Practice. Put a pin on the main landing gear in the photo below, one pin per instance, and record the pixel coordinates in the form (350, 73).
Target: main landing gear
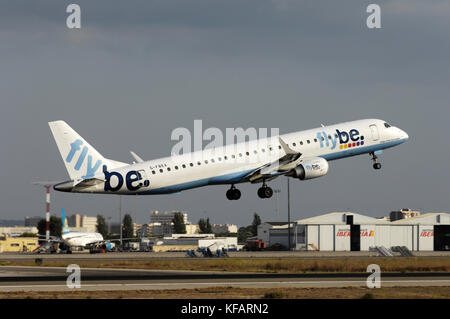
(233, 193)
(376, 165)
(265, 191)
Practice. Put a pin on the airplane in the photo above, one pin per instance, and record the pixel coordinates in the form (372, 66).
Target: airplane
(73, 239)
(78, 239)
(302, 155)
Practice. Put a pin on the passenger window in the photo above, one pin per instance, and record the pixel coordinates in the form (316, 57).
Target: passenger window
(153, 172)
(212, 160)
(168, 169)
(206, 161)
(307, 141)
(184, 166)
(293, 144)
(198, 163)
(176, 167)
(301, 142)
(191, 164)
(161, 170)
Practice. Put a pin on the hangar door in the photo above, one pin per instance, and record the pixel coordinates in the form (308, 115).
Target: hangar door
(441, 237)
(355, 237)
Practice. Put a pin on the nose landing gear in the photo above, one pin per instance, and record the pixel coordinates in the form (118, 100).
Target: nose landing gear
(376, 165)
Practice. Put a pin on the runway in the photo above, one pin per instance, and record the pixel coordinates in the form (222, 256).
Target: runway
(19, 278)
(83, 256)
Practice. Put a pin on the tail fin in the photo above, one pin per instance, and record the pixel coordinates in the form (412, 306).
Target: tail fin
(81, 159)
(65, 224)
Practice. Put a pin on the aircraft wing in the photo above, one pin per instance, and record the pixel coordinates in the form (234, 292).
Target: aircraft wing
(272, 170)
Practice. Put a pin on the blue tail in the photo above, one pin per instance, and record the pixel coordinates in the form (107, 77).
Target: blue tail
(65, 224)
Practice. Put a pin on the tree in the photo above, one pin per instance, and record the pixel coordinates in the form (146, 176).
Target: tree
(256, 222)
(178, 224)
(101, 225)
(205, 226)
(55, 226)
(127, 226)
(244, 233)
(202, 226)
(26, 234)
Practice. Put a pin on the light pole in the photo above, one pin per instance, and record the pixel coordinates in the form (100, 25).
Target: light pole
(47, 186)
(277, 191)
(289, 213)
(120, 217)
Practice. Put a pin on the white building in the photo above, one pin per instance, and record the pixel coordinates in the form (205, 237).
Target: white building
(224, 228)
(166, 217)
(17, 230)
(85, 223)
(345, 231)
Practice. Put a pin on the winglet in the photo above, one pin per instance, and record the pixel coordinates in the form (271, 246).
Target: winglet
(136, 157)
(286, 148)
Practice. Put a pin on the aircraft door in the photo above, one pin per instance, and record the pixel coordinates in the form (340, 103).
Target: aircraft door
(375, 133)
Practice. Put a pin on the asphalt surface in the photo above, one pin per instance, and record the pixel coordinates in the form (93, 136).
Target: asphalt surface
(240, 254)
(18, 278)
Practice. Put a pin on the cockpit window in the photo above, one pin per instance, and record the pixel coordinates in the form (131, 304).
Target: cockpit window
(387, 125)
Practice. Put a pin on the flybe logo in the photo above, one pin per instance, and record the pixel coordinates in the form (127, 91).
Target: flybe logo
(90, 169)
(114, 180)
(346, 139)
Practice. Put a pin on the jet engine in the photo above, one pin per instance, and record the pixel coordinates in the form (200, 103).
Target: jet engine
(311, 168)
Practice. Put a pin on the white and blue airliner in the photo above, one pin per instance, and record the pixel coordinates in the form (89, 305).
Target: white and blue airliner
(303, 155)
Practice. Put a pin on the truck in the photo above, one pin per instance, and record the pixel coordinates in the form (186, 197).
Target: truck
(255, 244)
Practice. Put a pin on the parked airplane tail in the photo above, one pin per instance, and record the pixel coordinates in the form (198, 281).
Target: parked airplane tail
(81, 159)
(65, 224)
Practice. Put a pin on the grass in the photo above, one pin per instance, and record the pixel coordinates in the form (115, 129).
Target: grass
(266, 265)
(244, 293)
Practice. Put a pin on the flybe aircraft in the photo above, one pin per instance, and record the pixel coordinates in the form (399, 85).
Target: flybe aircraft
(302, 155)
(78, 239)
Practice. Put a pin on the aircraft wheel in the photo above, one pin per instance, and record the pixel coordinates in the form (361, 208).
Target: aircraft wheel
(377, 166)
(261, 192)
(268, 192)
(236, 194)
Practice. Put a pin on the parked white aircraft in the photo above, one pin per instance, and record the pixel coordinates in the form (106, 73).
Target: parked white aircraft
(73, 239)
(303, 155)
(78, 239)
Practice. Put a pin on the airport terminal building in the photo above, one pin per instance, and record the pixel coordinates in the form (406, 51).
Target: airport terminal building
(344, 231)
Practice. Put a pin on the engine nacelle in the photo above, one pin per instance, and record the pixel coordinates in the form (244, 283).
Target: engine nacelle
(311, 168)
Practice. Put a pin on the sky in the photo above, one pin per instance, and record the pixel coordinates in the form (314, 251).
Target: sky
(137, 70)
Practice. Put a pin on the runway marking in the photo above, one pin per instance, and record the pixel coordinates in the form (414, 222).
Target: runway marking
(235, 283)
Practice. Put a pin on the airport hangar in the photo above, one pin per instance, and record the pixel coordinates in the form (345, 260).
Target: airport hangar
(344, 231)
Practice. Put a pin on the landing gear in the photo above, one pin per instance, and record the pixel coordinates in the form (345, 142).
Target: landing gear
(233, 193)
(265, 191)
(376, 165)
